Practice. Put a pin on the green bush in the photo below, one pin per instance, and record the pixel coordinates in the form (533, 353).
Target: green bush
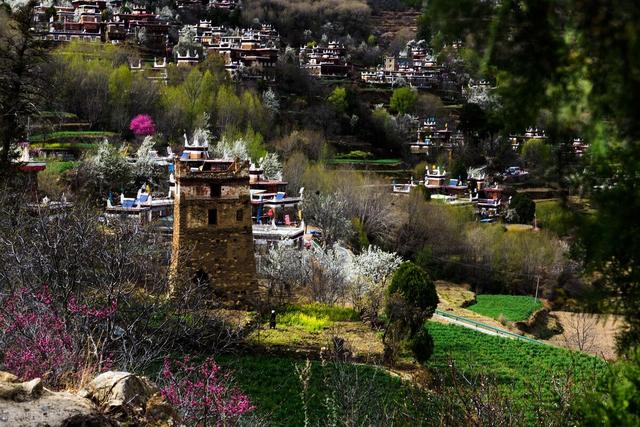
(616, 400)
(421, 346)
(415, 286)
(524, 207)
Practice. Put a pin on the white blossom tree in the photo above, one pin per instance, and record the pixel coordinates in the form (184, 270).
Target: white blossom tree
(145, 159)
(286, 269)
(330, 213)
(329, 274)
(108, 168)
(230, 149)
(369, 273)
(201, 137)
(271, 166)
(270, 100)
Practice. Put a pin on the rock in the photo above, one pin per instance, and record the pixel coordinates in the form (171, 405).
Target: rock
(21, 392)
(111, 399)
(119, 392)
(128, 397)
(159, 412)
(7, 377)
(51, 409)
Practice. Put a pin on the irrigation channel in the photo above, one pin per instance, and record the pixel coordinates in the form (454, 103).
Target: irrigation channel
(482, 327)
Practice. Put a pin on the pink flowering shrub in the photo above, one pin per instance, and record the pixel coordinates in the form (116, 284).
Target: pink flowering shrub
(142, 125)
(202, 394)
(39, 340)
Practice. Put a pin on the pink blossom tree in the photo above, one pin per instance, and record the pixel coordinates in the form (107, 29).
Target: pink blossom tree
(142, 125)
(37, 339)
(202, 393)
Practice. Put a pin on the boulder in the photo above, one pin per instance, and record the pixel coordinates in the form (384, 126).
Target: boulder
(114, 389)
(7, 377)
(28, 403)
(125, 396)
(21, 392)
(111, 399)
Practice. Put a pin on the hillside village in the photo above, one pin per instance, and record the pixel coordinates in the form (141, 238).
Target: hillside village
(363, 212)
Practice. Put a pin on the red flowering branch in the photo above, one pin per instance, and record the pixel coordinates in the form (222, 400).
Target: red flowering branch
(202, 394)
(36, 340)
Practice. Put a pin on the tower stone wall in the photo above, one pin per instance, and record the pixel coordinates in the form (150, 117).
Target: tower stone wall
(212, 231)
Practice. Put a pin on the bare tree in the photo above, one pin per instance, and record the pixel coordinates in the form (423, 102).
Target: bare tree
(328, 212)
(21, 77)
(88, 264)
(579, 331)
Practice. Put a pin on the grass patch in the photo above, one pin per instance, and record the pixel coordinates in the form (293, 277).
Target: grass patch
(315, 317)
(333, 312)
(514, 364)
(376, 162)
(65, 145)
(43, 137)
(554, 217)
(306, 322)
(513, 308)
(57, 167)
(274, 387)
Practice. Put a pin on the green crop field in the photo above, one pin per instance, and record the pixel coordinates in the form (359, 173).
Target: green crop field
(515, 365)
(82, 134)
(513, 308)
(376, 162)
(274, 387)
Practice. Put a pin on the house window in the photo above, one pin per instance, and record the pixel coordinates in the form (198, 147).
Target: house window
(213, 216)
(239, 214)
(216, 190)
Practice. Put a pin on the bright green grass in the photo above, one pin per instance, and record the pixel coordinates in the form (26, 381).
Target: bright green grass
(65, 145)
(334, 313)
(515, 365)
(274, 387)
(379, 162)
(70, 134)
(315, 317)
(306, 322)
(553, 216)
(513, 308)
(57, 167)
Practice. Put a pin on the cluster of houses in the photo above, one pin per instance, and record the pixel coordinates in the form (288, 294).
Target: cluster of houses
(415, 66)
(433, 138)
(275, 216)
(247, 52)
(101, 21)
(487, 199)
(208, 4)
(325, 60)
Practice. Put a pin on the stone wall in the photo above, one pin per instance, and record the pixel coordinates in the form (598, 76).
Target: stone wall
(220, 253)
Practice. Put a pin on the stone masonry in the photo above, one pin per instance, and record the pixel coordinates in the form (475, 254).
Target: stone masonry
(212, 234)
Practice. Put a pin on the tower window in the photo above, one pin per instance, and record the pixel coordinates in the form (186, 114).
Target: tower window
(239, 214)
(216, 190)
(213, 216)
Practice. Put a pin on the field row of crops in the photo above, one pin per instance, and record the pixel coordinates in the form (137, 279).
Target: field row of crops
(516, 365)
(511, 308)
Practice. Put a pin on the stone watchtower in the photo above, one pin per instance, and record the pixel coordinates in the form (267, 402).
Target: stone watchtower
(212, 228)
